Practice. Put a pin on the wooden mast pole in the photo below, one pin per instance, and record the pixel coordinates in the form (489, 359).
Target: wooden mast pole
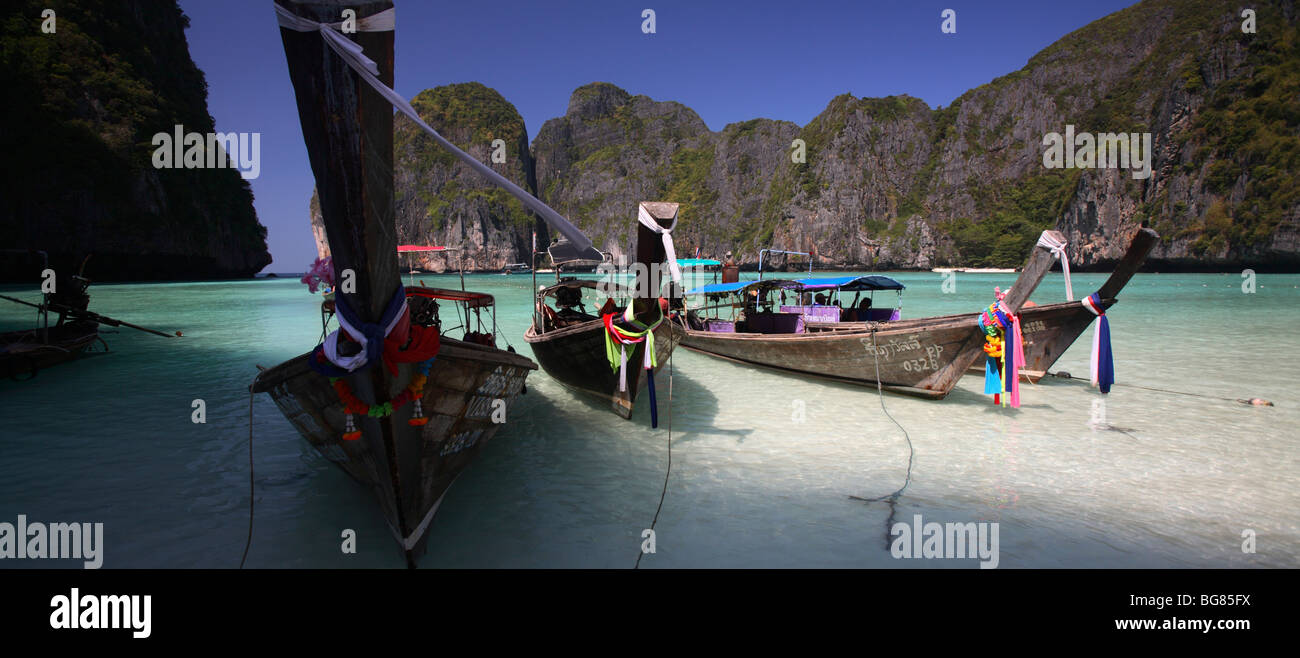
(348, 130)
(650, 253)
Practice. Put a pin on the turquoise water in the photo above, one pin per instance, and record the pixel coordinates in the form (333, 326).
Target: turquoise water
(1139, 478)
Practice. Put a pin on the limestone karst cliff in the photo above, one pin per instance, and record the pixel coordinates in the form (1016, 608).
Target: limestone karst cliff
(893, 183)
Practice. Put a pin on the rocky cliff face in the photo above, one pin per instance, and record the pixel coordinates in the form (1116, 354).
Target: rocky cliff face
(81, 107)
(892, 183)
(441, 201)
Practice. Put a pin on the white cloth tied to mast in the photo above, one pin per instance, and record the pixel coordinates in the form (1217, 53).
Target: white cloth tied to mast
(670, 254)
(367, 70)
(351, 363)
(1057, 247)
(384, 21)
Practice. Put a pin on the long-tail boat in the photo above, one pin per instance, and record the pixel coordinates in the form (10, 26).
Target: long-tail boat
(393, 398)
(602, 351)
(26, 352)
(1049, 329)
(566, 258)
(924, 357)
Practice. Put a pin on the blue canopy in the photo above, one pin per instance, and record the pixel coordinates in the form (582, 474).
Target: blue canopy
(852, 283)
(738, 286)
(697, 262)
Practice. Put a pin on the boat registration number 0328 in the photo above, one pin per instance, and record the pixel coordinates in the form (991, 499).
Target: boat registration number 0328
(928, 362)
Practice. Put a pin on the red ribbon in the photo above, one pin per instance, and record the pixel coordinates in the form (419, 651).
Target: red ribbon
(616, 333)
(424, 345)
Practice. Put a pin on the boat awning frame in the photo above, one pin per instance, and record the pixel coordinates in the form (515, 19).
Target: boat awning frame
(739, 287)
(853, 283)
(470, 299)
(619, 289)
(698, 262)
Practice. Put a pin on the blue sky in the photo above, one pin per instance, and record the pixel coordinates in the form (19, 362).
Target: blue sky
(729, 61)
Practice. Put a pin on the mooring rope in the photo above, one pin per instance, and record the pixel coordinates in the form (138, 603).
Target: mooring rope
(669, 470)
(1061, 374)
(249, 541)
(911, 451)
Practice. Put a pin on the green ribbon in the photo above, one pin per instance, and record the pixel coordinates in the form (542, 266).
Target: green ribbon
(612, 349)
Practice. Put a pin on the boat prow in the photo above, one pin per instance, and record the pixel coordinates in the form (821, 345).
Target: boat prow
(579, 349)
(469, 390)
(1050, 329)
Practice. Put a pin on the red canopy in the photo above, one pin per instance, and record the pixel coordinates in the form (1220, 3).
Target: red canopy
(471, 299)
(402, 248)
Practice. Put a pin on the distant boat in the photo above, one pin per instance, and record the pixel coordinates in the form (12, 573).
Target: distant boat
(757, 322)
(517, 268)
(567, 258)
(26, 352)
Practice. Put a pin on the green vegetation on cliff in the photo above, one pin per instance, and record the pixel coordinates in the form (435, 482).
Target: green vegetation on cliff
(81, 108)
(472, 116)
(687, 184)
(1013, 218)
(1254, 126)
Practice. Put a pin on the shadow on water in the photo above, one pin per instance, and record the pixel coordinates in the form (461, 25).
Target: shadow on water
(691, 404)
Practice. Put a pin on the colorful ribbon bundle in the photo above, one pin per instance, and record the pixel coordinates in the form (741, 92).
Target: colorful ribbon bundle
(1006, 353)
(616, 335)
(1103, 361)
(413, 392)
(392, 340)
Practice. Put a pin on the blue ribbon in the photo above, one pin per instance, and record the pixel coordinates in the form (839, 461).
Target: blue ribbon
(373, 333)
(1009, 355)
(992, 382)
(1105, 358)
(650, 384)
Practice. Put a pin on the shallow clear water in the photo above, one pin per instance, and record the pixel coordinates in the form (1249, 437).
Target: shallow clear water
(567, 484)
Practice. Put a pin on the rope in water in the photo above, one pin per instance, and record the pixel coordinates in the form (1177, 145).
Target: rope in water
(911, 451)
(1061, 374)
(249, 541)
(669, 470)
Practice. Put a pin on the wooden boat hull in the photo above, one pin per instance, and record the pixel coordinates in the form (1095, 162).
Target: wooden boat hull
(23, 353)
(575, 357)
(923, 358)
(411, 470)
(1048, 331)
(912, 352)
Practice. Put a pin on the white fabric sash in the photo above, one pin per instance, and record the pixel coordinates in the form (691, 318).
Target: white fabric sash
(1057, 248)
(352, 54)
(351, 363)
(670, 254)
(1094, 361)
(384, 21)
